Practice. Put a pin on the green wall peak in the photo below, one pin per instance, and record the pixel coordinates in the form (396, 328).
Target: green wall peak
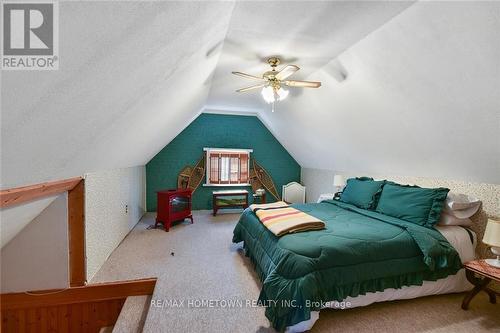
(218, 131)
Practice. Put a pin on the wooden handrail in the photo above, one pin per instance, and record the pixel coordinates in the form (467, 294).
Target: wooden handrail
(82, 294)
(19, 195)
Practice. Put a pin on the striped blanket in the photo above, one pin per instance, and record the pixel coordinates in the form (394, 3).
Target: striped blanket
(282, 219)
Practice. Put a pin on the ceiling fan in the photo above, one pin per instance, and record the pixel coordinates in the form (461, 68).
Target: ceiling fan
(272, 81)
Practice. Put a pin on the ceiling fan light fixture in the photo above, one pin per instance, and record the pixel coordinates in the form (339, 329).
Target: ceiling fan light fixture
(272, 81)
(282, 94)
(268, 94)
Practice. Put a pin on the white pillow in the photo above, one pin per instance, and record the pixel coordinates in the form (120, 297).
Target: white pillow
(447, 219)
(461, 206)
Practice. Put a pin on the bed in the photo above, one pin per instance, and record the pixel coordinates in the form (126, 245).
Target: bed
(360, 257)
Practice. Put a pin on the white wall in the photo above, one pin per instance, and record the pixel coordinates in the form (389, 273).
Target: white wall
(319, 181)
(37, 257)
(15, 218)
(107, 222)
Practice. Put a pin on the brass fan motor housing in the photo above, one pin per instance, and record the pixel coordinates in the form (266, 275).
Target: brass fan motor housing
(271, 75)
(274, 62)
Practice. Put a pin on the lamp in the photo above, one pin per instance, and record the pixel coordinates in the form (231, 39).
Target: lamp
(492, 238)
(338, 182)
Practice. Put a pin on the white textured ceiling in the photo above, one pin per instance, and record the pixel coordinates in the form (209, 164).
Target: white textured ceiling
(309, 34)
(421, 96)
(131, 76)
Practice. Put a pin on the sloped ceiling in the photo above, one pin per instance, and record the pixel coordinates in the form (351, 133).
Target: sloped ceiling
(132, 75)
(420, 98)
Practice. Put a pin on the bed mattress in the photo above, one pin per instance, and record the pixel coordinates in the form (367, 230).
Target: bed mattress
(463, 240)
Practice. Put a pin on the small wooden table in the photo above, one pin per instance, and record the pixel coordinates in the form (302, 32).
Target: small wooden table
(229, 199)
(480, 274)
(259, 198)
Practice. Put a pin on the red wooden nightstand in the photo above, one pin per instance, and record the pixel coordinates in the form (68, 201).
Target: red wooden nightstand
(486, 274)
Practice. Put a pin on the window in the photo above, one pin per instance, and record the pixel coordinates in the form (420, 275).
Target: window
(227, 166)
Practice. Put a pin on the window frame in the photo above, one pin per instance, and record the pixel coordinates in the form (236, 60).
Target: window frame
(228, 151)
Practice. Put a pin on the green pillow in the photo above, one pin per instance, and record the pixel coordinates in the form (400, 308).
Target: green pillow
(362, 192)
(414, 204)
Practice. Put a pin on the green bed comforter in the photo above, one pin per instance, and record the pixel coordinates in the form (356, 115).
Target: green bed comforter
(360, 251)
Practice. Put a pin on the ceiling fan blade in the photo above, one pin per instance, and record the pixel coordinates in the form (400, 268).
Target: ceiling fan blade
(286, 72)
(257, 86)
(248, 76)
(303, 84)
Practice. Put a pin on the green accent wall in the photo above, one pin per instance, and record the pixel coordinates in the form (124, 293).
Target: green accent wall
(218, 131)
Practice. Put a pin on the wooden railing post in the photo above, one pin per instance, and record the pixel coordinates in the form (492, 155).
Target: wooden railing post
(76, 234)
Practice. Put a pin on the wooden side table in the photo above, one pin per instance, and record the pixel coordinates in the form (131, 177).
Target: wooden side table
(259, 198)
(480, 274)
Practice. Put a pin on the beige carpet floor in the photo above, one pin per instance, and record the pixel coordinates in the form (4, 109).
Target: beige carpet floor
(206, 266)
